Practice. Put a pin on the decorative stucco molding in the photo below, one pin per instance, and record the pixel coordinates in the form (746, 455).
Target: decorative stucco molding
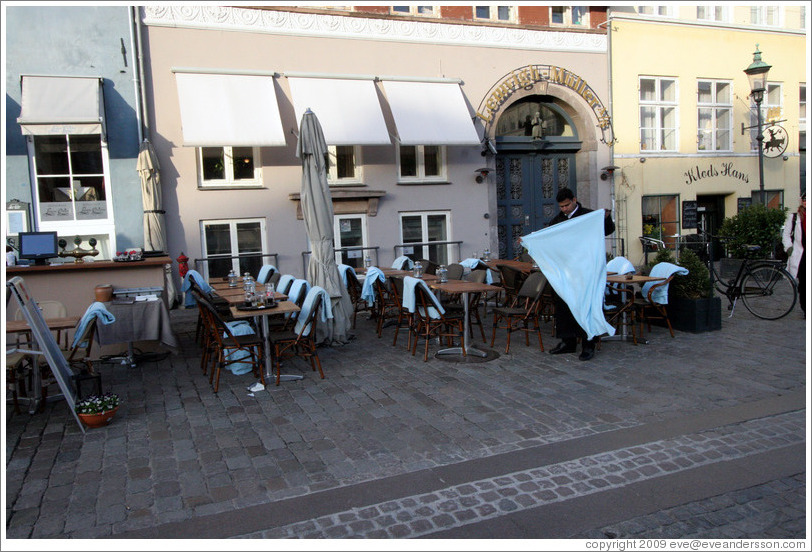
(337, 26)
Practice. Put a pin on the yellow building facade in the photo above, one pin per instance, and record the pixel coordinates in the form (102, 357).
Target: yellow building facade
(681, 106)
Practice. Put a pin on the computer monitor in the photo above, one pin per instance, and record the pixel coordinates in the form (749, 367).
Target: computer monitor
(38, 246)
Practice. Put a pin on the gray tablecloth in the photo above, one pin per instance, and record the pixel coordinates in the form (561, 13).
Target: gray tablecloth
(139, 321)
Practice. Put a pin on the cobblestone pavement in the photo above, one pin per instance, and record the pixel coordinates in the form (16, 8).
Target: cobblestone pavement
(388, 445)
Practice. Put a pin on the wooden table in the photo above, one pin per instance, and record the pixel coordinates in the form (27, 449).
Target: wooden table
(238, 297)
(402, 273)
(522, 266)
(281, 308)
(623, 279)
(55, 324)
(463, 287)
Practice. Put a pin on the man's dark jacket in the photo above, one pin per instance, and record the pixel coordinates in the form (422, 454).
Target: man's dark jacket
(608, 223)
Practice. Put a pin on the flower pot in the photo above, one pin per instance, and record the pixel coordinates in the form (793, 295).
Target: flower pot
(695, 315)
(98, 420)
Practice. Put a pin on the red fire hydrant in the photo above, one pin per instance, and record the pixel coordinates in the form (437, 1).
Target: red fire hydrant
(183, 265)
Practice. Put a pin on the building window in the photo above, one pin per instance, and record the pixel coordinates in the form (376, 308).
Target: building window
(424, 228)
(345, 165)
(661, 218)
(770, 111)
(802, 15)
(662, 11)
(773, 198)
(658, 114)
(236, 245)
(229, 166)
(802, 106)
(712, 13)
(494, 13)
(566, 15)
(421, 163)
(414, 10)
(715, 116)
(351, 231)
(768, 16)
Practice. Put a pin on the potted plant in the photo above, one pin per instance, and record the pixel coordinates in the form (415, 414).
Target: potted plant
(98, 410)
(755, 225)
(692, 307)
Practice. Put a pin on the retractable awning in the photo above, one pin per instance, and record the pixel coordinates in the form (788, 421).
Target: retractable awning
(348, 109)
(229, 110)
(61, 105)
(430, 113)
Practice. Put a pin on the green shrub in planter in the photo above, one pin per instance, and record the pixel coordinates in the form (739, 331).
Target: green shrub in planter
(695, 284)
(755, 225)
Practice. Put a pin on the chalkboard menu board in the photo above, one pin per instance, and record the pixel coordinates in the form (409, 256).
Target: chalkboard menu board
(689, 214)
(743, 203)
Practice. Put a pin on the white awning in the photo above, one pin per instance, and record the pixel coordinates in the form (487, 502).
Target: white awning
(430, 113)
(348, 109)
(229, 110)
(61, 105)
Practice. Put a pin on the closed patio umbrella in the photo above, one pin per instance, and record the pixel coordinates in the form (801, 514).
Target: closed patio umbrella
(154, 229)
(317, 208)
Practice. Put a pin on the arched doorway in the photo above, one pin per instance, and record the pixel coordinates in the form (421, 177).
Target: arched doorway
(537, 142)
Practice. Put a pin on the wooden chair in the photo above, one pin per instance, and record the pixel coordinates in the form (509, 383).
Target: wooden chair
(404, 316)
(524, 313)
(429, 267)
(225, 346)
(647, 306)
(386, 305)
(354, 290)
(428, 322)
(301, 343)
(455, 271)
(512, 280)
(619, 308)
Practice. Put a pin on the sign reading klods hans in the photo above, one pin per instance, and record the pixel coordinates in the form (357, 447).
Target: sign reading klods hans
(528, 77)
(725, 169)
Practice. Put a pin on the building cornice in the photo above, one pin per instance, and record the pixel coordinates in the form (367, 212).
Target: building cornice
(716, 25)
(361, 28)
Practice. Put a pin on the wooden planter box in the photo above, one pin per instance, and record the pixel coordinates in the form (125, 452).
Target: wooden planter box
(691, 315)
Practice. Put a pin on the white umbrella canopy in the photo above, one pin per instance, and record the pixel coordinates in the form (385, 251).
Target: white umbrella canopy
(154, 228)
(317, 209)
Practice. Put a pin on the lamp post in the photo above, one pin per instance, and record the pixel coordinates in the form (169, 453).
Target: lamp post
(757, 74)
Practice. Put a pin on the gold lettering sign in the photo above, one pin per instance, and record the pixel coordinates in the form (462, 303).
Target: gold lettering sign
(532, 75)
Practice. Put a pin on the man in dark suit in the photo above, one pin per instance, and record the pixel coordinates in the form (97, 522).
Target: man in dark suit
(566, 327)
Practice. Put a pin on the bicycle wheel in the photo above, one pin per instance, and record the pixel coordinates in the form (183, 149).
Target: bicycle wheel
(768, 292)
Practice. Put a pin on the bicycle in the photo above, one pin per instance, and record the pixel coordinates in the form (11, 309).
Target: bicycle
(767, 290)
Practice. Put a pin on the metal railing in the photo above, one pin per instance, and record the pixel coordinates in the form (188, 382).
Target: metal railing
(250, 262)
(306, 255)
(400, 249)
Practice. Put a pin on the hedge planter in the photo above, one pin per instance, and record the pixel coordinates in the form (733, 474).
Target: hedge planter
(691, 315)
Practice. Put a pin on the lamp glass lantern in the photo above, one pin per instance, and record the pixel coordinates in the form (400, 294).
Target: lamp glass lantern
(757, 74)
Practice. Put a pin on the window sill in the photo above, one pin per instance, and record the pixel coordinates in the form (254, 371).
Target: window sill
(233, 187)
(347, 202)
(423, 183)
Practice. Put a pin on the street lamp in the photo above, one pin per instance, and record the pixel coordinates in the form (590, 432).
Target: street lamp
(757, 73)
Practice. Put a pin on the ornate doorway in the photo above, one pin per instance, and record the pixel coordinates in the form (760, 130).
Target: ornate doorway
(537, 143)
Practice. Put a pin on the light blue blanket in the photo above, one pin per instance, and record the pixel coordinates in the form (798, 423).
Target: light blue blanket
(343, 269)
(239, 327)
(284, 281)
(293, 293)
(572, 255)
(265, 272)
(661, 270)
(95, 310)
(398, 264)
(325, 312)
(410, 300)
(474, 264)
(620, 265)
(189, 299)
(368, 289)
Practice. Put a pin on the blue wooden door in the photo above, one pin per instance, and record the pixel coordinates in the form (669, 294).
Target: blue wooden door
(526, 186)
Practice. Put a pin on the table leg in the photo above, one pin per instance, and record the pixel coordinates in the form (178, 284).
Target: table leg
(624, 334)
(269, 376)
(469, 349)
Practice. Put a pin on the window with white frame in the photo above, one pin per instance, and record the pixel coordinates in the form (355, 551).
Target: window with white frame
(662, 11)
(802, 106)
(350, 231)
(658, 114)
(421, 163)
(767, 16)
(494, 13)
(715, 116)
(415, 10)
(345, 165)
(229, 166)
(232, 244)
(771, 108)
(712, 13)
(569, 15)
(773, 199)
(802, 18)
(426, 227)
